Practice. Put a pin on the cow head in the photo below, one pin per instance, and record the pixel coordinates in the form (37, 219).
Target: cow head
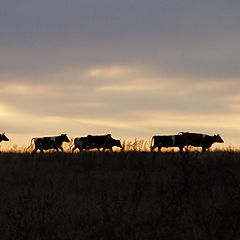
(117, 143)
(3, 137)
(65, 138)
(218, 139)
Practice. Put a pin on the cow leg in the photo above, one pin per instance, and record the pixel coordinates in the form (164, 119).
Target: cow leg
(61, 148)
(203, 149)
(187, 148)
(180, 148)
(37, 146)
(104, 147)
(34, 150)
(74, 148)
(152, 148)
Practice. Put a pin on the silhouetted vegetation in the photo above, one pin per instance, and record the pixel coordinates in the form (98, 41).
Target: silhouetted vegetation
(121, 195)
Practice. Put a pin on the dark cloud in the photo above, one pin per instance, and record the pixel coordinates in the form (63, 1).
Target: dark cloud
(177, 37)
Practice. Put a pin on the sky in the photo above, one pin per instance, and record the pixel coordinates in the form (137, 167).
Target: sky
(133, 68)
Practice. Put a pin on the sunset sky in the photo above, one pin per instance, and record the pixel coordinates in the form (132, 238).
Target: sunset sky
(133, 68)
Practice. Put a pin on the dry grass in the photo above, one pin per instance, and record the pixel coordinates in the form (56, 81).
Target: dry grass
(121, 195)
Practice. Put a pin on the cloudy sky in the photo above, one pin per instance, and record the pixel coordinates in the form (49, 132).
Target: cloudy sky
(133, 68)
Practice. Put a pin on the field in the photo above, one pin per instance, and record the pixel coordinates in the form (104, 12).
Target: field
(120, 195)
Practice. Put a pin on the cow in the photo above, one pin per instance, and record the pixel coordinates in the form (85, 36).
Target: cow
(3, 137)
(184, 140)
(167, 141)
(46, 143)
(96, 141)
(200, 140)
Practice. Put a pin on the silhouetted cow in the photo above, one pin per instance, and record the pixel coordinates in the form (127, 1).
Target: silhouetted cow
(46, 143)
(185, 139)
(97, 141)
(167, 141)
(3, 137)
(200, 140)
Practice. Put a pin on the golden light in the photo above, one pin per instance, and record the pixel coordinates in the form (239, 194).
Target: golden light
(4, 111)
(111, 71)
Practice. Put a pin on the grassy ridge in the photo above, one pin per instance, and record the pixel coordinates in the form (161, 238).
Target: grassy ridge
(121, 195)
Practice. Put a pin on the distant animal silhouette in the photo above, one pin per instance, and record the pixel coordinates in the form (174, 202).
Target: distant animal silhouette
(3, 137)
(200, 140)
(185, 139)
(46, 143)
(97, 141)
(167, 141)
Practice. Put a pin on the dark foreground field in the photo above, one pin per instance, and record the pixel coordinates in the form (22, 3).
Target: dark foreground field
(121, 195)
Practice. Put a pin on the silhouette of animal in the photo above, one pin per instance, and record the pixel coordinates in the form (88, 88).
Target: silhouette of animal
(167, 141)
(200, 140)
(46, 143)
(3, 137)
(97, 141)
(185, 139)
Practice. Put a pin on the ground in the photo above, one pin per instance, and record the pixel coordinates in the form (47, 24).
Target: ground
(121, 195)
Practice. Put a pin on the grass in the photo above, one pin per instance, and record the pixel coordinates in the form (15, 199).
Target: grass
(120, 195)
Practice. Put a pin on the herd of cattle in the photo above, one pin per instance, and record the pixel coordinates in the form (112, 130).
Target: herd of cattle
(181, 140)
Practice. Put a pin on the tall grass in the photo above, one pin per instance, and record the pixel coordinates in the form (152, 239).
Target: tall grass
(136, 145)
(121, 195)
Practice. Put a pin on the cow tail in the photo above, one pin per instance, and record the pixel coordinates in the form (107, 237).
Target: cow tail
(151, 143)
(31, 143)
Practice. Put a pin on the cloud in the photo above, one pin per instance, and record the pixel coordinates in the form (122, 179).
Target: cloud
(109, 72)
(186, 38)
(116, 93)
(131, 67)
